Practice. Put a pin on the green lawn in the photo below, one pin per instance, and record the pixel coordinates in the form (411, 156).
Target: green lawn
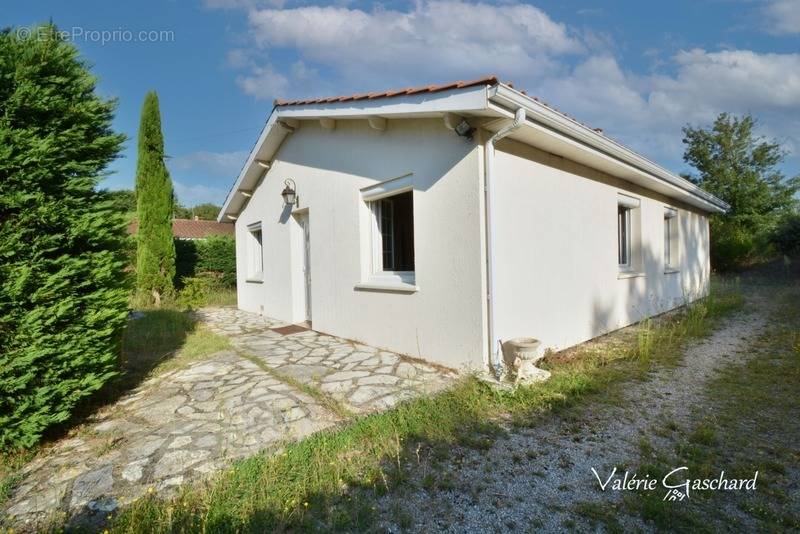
(166, 339)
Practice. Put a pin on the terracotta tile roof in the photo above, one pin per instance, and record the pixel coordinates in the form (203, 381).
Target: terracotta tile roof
(193, 229)
(486, 80)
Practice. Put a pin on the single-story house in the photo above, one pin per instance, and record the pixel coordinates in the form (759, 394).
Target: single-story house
(439, 221)
(193, 228)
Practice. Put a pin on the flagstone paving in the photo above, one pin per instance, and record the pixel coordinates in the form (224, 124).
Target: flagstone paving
(190, 422)
(363, 378)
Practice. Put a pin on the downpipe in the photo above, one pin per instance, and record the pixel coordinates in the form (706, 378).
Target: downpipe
(495, 345)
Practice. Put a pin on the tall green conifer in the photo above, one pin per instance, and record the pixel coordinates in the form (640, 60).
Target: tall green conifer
(155, 256)
(63, 288)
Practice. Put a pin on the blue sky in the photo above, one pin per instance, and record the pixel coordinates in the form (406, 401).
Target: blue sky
(640, 70)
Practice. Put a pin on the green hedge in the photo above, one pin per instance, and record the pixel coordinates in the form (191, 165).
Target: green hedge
(216, 254)
(63, 287)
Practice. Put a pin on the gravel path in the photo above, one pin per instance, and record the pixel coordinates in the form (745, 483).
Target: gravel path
(531, 479)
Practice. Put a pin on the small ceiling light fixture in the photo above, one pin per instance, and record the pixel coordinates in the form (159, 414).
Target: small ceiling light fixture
(464, 129)
(263, 163)
(289, 193)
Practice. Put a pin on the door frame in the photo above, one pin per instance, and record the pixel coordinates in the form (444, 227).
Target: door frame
(303, 264)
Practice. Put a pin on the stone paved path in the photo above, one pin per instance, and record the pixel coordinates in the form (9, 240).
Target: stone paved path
(189, 422)
(363, 378)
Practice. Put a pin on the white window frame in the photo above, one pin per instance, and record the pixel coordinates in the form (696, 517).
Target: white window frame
(631, 208)
(255, 253)
(671, 240)
(377, 277)
(624, 234)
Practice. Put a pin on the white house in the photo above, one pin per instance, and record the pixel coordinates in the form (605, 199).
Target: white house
(438, 221)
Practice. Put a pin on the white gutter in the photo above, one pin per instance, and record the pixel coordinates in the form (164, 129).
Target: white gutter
(495, 350)
(542, 114)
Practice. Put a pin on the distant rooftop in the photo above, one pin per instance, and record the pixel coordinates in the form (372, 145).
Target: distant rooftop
(193, 228)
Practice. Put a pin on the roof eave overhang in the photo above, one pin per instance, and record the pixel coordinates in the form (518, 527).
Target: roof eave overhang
(464, 100)
(595, 149)
(599, 148)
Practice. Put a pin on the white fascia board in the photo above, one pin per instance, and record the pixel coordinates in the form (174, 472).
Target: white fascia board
(539, 114)
(268, 128)
(454, 100)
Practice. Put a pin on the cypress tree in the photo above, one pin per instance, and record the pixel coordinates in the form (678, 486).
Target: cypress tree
(155, 253)
(63, 289)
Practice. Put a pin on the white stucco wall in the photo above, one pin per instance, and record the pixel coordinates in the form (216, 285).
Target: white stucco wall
(556, 252)
(443, 321)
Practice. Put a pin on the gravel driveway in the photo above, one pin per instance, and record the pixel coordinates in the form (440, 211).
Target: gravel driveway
(533, 478)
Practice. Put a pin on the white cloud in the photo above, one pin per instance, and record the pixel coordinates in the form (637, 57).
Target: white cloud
(263, 82)
(211, 167)
(194, 194)
(782, 17)
(444, 40)
(238, 59)
(733, 78)
(239, 4)
(218, 163)
(437, 40)
(647, 112)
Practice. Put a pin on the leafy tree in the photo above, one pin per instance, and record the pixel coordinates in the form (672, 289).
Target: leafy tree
(179, 211)
(742, 169)
(124, 200)
(63, 289)
(155, 256)
(786, 236)
(206, 212)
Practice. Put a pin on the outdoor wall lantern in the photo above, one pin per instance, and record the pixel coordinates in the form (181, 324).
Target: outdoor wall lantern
(289, 192)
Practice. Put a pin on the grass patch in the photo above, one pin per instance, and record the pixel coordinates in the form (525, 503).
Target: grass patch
(324, 482)
(221, 297)
(325, 400)
(10, 476)
(179, 301)
(165, 339)
(750, 422)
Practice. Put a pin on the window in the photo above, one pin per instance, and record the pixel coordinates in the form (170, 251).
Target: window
(388, 261)
(670, 238)
(624, 236)
(629, 255)
(394, 216)
(255, 256)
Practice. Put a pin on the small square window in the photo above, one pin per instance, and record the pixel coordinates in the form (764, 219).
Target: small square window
(388, 260)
